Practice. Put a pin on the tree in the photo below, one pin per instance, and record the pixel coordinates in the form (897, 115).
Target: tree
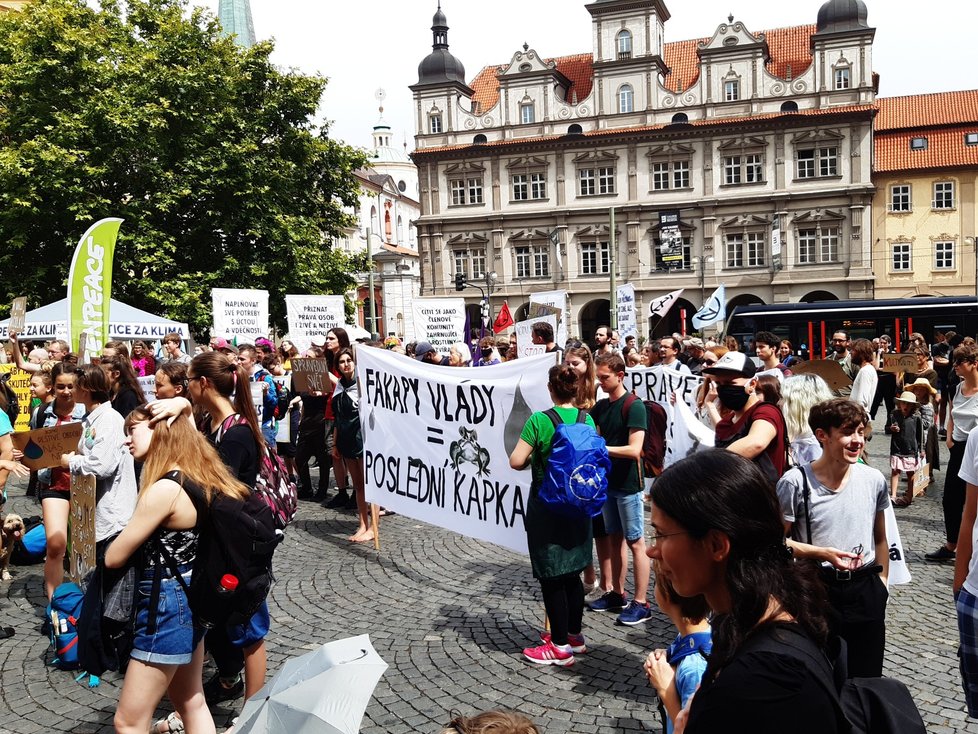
(210, 154)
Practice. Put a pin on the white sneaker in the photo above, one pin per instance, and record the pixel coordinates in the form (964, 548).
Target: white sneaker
(596, 593)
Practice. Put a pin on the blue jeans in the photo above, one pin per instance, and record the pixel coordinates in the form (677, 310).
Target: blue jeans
(624, 514)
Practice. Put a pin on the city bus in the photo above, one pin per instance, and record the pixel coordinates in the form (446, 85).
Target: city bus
(812, 324)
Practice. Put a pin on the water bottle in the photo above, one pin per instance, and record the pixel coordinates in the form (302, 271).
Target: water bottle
(225, 587)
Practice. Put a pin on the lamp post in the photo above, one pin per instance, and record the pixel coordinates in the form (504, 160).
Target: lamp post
(701, 262)
(491, 280)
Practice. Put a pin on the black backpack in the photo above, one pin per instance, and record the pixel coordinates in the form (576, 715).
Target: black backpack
(867, 705)
(9, 397)
(236, 537)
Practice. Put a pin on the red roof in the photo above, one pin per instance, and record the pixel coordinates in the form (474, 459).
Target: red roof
(927, 110)
(790, 50)
(945, 149)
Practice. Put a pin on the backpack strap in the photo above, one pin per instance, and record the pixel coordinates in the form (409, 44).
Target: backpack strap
(235, 419)
(626, 406)
(806, 494)
(554, 417)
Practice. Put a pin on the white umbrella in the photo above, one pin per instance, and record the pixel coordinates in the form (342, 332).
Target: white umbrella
(322, 692)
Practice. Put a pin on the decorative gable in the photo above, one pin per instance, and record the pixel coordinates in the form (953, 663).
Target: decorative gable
(731, 36)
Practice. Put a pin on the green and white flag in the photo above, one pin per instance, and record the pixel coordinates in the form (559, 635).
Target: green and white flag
(90, 284)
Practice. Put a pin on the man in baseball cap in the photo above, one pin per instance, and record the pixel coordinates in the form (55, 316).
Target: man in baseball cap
(695, 351)
(751, 428)
(425, 352)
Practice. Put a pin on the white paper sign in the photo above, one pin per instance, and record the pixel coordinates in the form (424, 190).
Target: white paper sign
(440, 321)
(437, 441)
(627, 319)
(311, 316)
(524, 336)
(557, 299)
(148, 384)
(240, 313)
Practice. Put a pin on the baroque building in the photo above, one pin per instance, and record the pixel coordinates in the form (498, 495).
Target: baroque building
(758, 144)
(926, 175)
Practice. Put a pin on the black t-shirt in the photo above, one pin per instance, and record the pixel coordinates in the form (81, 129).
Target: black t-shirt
(125, 402)
(239, 452)
(760, 692)
(313, 411)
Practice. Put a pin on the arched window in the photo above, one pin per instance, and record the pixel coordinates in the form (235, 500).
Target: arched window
(479, 139)
(374, 221)
(789, 106)
(680, 118)
(624, 44)
(400, 230)
(626, 98)
(575, 129)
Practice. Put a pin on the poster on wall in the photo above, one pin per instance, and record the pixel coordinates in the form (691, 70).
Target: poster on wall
(440, 321)
(240, 314)
(310, 316)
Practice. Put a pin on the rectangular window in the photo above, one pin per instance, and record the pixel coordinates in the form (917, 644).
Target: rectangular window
(755, 249)
(901, 256)
(527, 114)
(461, 262)
(606, 180)
(731, 170)
(735, 250)
(813, 162)
(731, 90)
(900, 198)
(944, 195)
(521, 189)
(475, 191)
(538, 186)
(660, 176)
(842, 78)
(754, 165)
(806, 246)
(971, 138)
(522, 262)
(585, 177)
(670, 175)
(434, 124)
(680, 174)
(541, 261)
(829, 245)
(595, 258)
(918, 143)
(662, 264)
(943, 256)
(478, 264)
(532, 261)
(458, 192)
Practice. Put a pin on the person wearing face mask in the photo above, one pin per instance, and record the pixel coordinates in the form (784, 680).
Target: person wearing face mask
(753, 429)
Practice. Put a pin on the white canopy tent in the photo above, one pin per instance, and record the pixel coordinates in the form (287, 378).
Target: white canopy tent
(125, 323)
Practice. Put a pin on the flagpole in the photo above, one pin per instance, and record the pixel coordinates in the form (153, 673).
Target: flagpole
(612, 295)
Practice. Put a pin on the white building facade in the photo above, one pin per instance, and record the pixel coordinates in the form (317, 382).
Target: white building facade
(743, 135)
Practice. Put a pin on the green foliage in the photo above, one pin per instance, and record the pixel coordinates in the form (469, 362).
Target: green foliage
(208, 152)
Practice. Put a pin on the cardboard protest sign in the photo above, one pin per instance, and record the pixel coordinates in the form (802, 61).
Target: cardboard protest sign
(828, 369)
(899, 363)
(524, 336)
(43, 447)
(20, 382)
(558, 300)
(240, 314)
(311, 375)
(18, 315)
(81, 521)
(437, 441)
(311, 316)
(440, 321)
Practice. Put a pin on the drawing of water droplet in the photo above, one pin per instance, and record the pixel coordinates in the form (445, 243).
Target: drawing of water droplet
(371, 421)
(518, 416)
(32, 450)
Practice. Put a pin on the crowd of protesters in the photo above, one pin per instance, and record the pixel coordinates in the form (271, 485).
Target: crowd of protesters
(727, 528)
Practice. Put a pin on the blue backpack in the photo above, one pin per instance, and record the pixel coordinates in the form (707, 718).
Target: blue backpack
(575, 483)
(63, 611)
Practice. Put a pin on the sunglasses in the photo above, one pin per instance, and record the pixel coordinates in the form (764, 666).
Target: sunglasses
(709, 362)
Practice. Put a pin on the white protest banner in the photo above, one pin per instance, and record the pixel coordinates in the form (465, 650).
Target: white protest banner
(557, 299)
(899, 571)
(240, 314)
(440, 321)
(524, 336)
(657, 384)
(311, 316)
(437, 440)
(258, 398)
(627, 318)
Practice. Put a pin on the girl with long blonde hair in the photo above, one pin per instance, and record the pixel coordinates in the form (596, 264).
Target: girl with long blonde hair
(169, 659)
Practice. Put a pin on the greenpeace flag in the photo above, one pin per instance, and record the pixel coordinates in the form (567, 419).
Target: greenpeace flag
(660, 306)
(90, 284)
(437, 440)
(504, 319)
(714, 310)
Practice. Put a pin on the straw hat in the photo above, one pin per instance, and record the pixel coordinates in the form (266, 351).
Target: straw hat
(907, 397)
(923, 382)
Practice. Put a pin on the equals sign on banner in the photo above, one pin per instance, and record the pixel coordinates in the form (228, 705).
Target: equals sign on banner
(435, 435)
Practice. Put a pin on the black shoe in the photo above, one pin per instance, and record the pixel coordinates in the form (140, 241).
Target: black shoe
(351, 503)
(941, 554)
(216, 692)
(320, 495)
(304, 494)
(340, 500)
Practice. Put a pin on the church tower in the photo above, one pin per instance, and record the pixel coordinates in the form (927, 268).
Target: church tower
(235, 18)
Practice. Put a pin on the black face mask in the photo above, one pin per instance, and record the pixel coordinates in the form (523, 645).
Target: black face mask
(732, 397)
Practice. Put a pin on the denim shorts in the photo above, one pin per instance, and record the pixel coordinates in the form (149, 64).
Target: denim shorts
(176, 635)
(624, 514)
(245, 635)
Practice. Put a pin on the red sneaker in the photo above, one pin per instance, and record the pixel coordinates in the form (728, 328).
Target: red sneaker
(578, 646)
(548, 654)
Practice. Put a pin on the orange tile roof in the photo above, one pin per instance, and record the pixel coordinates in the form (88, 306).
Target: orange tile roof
(945, 149)
(927, 110)
(790, 48)
(708, 122)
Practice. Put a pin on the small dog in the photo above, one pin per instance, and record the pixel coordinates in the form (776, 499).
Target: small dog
(13, 530)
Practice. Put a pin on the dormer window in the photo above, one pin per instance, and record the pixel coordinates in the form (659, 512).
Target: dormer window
(624, 44)
(435, 123)
(842, 77)
(971, 138)
(918, 143)
(527, 113)
(731, 90)
(626, 98)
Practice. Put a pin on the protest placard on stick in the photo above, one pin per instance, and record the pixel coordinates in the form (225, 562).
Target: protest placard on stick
(311, 375)
(18, 315)
(82, 524)
(42, 448)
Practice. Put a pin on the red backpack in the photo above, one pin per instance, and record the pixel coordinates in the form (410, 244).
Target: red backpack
(654, 446)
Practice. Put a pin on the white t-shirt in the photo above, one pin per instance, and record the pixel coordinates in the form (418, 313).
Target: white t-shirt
(969, 474)
(964, 412)
(864, 386)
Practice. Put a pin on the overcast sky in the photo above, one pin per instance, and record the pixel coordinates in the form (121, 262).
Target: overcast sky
(371, 44)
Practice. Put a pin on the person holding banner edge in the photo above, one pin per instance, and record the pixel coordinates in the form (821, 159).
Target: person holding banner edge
(348, 438)
(559, 546)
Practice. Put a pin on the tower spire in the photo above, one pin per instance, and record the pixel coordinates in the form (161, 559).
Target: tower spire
(236, 21)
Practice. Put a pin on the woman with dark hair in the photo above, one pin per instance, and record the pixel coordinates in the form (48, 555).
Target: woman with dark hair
(102, 451)
(348, 439)
(286, 353)
(125, 391)
(560, 546)
(171, 381)
(142, 359)
(336, 340)
(718, 531)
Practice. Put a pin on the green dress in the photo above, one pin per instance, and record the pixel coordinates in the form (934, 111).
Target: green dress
(558, 545)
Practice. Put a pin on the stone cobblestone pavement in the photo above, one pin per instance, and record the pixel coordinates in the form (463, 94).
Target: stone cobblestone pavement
(450, 616)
